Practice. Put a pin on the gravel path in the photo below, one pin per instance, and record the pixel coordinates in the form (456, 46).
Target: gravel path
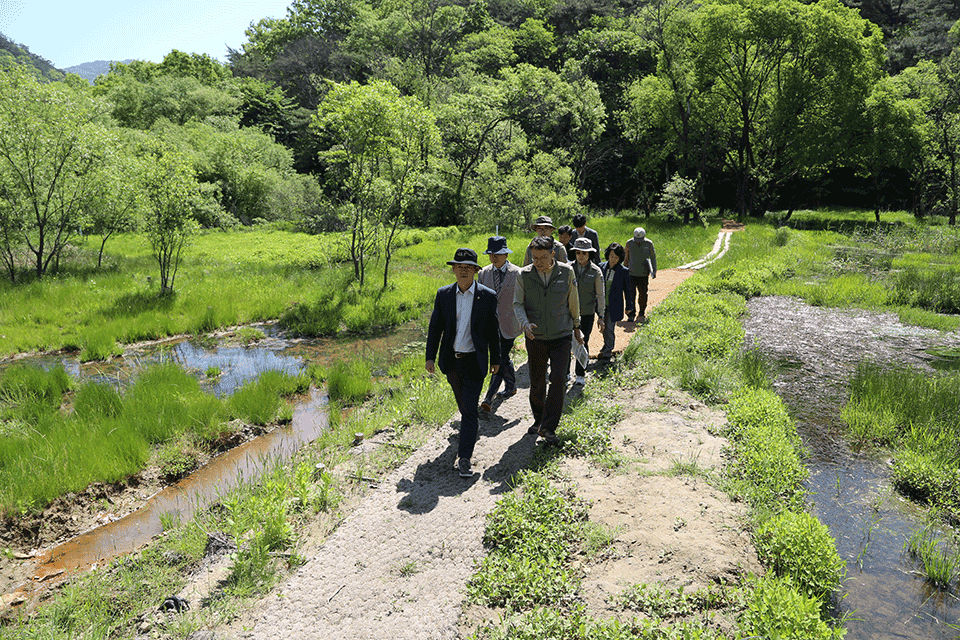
(398, 566)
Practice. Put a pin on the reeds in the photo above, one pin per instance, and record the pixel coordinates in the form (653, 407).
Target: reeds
(938, 557)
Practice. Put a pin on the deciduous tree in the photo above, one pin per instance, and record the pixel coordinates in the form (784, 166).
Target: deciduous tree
(50, 145)
(170, 191)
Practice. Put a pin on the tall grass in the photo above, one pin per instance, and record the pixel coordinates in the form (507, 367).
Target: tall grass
(350, 382)
(259, 401)
(918, 415)
(938, 557)
(108, 436)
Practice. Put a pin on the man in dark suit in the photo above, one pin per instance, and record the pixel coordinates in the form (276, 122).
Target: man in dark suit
(581, 230)
(464, 329)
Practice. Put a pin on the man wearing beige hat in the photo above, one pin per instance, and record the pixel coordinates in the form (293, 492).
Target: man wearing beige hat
(543, 226)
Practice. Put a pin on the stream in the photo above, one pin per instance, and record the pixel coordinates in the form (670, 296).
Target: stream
(815, 351)
(245, 463)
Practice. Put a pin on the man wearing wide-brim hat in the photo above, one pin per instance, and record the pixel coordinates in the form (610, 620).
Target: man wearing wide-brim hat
(591, 292)
(463, 329)
(543, 226)
(501, 276)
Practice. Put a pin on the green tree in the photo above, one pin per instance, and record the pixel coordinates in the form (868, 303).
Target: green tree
(787, 76)
(378, 137)
(420, 39)
(170, 191)
(937, 87)
(473, 121)
(893, 138)
(50, 146)
(116, 202)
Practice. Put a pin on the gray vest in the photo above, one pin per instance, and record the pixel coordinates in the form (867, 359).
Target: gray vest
(547, 306)
(587, 287)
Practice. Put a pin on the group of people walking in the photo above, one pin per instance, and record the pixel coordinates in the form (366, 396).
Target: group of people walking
(551, 300)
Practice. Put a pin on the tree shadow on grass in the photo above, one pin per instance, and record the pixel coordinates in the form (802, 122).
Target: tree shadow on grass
(130, 305)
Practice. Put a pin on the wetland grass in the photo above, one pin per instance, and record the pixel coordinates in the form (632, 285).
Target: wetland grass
(938, 557)
(108, 436)
(916, 414)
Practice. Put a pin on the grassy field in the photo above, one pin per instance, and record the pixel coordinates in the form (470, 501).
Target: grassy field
(239, 277)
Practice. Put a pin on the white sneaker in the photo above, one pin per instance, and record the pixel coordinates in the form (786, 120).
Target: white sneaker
(581, 381)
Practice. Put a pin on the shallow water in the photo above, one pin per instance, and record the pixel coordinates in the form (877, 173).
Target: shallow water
(817, 349)
(245, 463)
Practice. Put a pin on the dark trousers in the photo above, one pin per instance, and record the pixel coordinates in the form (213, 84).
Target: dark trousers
(586, 327)
(637, 289)
(609, 337)
(546, 403)
(466, 380)
(506, 375)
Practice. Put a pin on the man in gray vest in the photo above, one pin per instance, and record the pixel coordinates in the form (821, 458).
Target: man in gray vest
(547, 305)
(543, 227)
(642, 262)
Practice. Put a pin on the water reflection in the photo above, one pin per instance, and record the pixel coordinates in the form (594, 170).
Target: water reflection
(202, 488)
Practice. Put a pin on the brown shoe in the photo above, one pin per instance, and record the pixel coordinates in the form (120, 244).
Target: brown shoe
(485, 406)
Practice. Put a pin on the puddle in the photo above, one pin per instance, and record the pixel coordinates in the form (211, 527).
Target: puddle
(883, 596)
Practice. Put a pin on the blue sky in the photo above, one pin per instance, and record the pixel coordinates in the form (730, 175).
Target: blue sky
(68, 32)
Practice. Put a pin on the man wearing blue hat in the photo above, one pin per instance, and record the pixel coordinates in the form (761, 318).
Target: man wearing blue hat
(463, 328)
(501, 276)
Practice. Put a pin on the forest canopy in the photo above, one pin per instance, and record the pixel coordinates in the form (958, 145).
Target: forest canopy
(490, 113)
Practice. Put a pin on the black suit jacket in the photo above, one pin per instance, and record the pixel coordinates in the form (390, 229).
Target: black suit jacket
(484, 328)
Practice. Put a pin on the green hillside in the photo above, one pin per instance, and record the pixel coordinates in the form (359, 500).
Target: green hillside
(12, 54)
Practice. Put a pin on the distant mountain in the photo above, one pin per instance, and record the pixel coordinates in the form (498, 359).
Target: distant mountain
(90, 70)
(19, 54)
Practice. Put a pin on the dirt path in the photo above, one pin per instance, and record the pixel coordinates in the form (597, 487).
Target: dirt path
(663, 285)
(397, 567)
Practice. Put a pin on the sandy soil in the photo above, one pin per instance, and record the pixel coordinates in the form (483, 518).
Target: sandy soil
(674, 530)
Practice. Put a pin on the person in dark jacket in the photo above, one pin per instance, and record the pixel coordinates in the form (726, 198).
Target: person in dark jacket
(581, 230)
(464, 328)
(616, 279)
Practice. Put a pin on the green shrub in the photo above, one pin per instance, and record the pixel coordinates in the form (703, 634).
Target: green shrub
(520, 579)
(350, 381)
(778, 610)
(799, 547)
(536, 515)
(767, 469)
